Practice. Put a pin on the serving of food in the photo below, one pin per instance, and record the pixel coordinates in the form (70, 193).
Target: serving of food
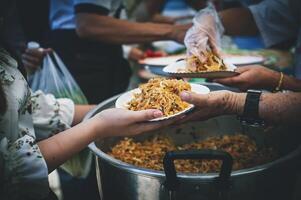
(211, 67)
(162, 94)
(149, 153)
(212, 63)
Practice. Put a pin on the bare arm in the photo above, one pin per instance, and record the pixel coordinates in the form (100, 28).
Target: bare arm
(110, 30)
(108, 123)
(291, 83)
(259, 77)
(59, 148)
(238, 21)
(80, 112)
(281, 108)
(274, 108)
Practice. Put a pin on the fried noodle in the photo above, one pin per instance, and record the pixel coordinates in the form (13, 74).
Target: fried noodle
(149, 153)
(212, 63)
(162, 94)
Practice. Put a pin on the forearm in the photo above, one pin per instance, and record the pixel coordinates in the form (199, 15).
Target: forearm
(59, 148)
(238, 21)
(158, 18)
(80, 112)
(111, 30)
(274, 108)
(291, 83)
(281, 108)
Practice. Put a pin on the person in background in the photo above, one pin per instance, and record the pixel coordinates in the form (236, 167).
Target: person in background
(152, 10)
(88, 35)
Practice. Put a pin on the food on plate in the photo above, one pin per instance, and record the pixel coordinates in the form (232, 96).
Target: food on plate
(162, 94)
(149, 153)
(212, 63)
(154, 54)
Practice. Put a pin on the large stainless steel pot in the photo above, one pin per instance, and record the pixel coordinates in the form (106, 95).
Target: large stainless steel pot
(271, 181)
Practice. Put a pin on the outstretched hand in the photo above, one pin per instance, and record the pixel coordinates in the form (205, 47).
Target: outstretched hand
(252, 77)
(122, 122)
(213, 104)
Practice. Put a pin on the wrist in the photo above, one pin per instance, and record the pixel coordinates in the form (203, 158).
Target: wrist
(274, 80)
(96, 127)
(235, 103)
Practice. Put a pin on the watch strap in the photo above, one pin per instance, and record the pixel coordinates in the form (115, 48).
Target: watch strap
(251, 109)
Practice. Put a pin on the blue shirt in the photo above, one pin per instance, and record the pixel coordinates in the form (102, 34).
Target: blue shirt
(278, 21)
(62, 14)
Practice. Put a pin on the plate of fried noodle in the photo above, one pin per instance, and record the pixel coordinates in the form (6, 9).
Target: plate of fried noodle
(162, 94)
(193, 67)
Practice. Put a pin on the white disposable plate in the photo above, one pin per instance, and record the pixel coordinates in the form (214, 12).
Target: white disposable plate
(161, 61)
(243, 60)
(124, 99)
(168, 46)
(176, 69)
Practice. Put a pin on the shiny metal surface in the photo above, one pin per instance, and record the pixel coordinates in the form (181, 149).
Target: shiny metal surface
(272, 181)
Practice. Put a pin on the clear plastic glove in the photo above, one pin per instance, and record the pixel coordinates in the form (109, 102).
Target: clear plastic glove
(205, 34)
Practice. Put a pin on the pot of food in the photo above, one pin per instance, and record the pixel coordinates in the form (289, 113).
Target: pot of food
(215, 159)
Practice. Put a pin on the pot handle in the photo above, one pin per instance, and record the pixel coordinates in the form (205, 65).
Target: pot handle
(223, 180)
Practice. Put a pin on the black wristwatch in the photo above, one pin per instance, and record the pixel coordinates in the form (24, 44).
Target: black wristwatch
(250, 116)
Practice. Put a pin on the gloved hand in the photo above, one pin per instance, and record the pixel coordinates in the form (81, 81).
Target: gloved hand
(205, 34)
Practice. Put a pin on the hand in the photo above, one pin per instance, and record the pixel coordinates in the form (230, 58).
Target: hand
(136, 54)
(179, 31)
(213, 104)
(32, 58)
(205, 33)
(252, 77)
(121, 122)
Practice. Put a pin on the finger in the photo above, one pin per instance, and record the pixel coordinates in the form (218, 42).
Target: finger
(29, 65)
(149, 126)
(48, 50)
(225, 81)
(243, 69)
(214, 48)
(35, 52)
(190, 117)
(193, 98)
(229, 81)
(145, 115)
(32, 59)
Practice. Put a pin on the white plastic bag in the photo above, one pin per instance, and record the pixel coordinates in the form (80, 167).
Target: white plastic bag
(53, 77)
(205, 34)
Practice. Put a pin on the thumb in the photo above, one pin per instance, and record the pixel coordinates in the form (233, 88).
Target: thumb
(146, 115)
(193, 98)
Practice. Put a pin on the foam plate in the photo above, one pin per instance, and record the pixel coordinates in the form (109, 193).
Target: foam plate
(161, 61)
(124, 99)
(243, 60)
(176, 69)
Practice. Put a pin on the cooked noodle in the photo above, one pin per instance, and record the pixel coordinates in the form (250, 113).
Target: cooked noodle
(212, 63)
(162, 94)
(149, 153)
